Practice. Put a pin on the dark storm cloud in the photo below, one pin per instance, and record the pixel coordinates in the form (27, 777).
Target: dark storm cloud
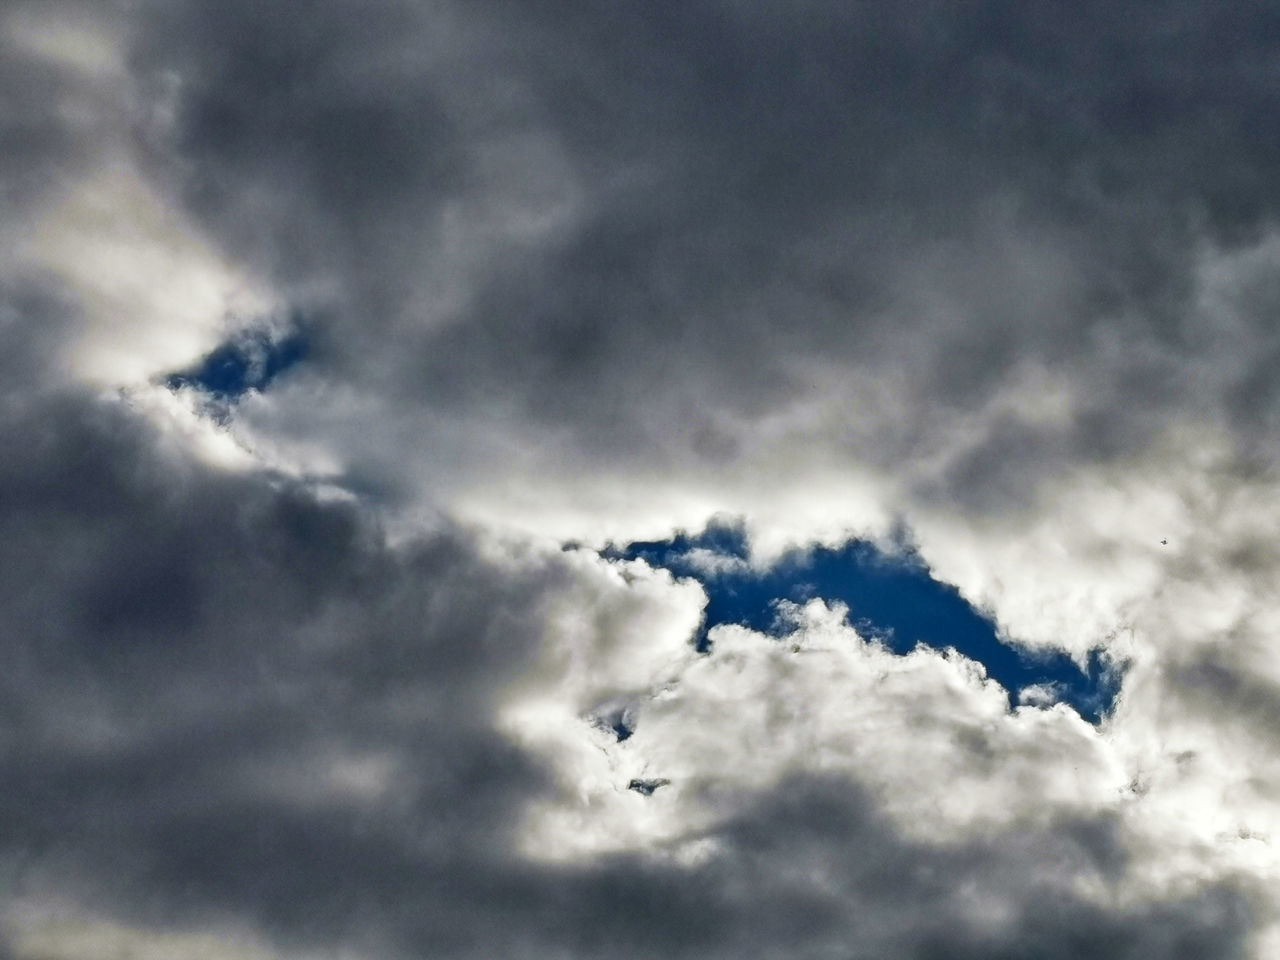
(35, 317)
(996, 896)
(761, 185)
(167, 628)
(316, 135)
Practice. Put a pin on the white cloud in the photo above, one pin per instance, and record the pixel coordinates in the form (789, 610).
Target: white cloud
(927, 733)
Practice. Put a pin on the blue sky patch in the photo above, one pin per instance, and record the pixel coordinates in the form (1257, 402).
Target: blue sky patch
(891, 596)
(249, 361)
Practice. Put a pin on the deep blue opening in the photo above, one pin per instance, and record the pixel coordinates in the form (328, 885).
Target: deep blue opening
(251, 361)
(891, 596)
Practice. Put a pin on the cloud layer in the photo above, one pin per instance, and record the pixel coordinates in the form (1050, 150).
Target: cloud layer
(308, 670)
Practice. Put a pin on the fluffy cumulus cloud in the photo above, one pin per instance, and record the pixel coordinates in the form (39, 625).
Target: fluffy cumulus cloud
(345, 347)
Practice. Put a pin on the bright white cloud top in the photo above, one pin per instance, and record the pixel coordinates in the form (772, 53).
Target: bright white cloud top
(345, 347)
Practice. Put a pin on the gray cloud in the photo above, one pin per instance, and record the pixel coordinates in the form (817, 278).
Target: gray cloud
(548, 244)
(732, 197)
(41, 142)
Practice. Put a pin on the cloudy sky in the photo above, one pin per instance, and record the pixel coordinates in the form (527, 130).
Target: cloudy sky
(721, 479)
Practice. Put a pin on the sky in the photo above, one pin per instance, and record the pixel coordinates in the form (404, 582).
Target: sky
(518, 479)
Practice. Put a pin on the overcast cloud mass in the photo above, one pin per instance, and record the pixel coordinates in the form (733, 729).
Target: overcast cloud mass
(345, 347)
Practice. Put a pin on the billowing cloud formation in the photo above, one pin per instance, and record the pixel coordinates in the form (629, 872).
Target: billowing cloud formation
(230, 705)
(313, 674)
(970, 248)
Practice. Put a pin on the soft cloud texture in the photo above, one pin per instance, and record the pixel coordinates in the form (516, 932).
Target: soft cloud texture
(317, 677)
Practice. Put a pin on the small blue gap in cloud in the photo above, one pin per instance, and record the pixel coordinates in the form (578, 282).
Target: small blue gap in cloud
(891, 596)
(646, 787)
(249, 361)
(617, 721)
